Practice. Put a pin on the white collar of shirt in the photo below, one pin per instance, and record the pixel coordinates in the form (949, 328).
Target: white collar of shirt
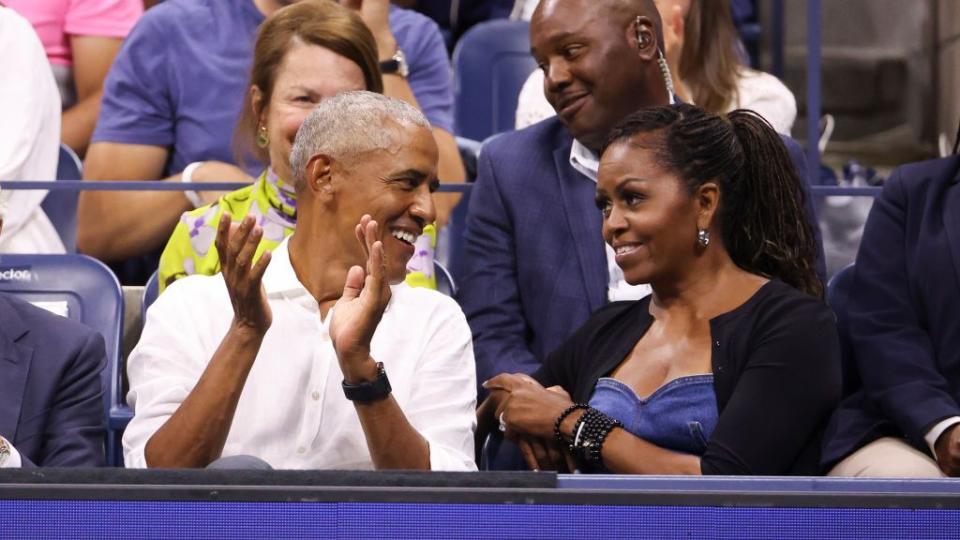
(584, 160)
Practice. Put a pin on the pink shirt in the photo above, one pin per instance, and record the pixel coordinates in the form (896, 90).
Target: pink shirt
(56, 20)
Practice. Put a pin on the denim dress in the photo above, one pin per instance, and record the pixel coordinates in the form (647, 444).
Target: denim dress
(680, 415)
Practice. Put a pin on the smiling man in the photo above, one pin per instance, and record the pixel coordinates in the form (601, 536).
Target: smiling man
(287, 360)
(536, 263)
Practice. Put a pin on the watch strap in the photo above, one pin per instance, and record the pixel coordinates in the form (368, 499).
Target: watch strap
(368, 391)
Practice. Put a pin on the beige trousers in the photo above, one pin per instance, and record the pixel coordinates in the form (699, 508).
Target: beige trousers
(888, 457)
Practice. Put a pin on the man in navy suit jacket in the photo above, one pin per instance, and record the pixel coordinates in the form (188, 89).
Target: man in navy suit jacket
(536, 264)
(51, 395)
(903, 315)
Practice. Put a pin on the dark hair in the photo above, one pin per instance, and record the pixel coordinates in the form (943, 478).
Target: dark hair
(762, 218)
(709, 63)
(324, 23)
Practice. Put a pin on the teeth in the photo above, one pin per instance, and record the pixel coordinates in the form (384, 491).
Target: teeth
(625, 249)
(404, 236)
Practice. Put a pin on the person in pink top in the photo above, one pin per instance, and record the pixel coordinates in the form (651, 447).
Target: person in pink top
(81, 39)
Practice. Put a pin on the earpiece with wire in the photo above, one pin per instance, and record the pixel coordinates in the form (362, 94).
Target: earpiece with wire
(643, 41)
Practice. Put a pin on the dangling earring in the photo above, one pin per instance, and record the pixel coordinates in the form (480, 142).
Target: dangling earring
(703, 237)
(262, 139)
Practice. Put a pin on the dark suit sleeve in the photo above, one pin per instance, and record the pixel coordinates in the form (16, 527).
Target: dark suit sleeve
(490, 293)
(787, 390)
(894, 354)
(75, 430)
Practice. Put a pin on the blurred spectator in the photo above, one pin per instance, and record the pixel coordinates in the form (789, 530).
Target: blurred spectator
(904, 332)
(702, 49)
(304, 53)
(173, 97)
(81, 38)
(51, 411)
(30, 108)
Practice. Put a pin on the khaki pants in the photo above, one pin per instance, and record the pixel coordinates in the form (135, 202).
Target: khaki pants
(888, 457)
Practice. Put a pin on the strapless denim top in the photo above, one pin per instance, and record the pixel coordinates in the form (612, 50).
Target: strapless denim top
(678, 416)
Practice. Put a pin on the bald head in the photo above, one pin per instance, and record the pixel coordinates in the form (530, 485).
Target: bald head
(618, 11)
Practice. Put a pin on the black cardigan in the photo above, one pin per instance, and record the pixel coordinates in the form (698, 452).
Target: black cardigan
(776, 368)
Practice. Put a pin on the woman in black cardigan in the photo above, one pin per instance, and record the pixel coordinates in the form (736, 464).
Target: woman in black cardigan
(731, 366)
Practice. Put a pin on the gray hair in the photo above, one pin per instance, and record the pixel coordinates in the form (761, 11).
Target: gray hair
(350, 124)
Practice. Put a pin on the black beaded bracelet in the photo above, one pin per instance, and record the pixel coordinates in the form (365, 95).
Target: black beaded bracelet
(557, 434)
(589, 434)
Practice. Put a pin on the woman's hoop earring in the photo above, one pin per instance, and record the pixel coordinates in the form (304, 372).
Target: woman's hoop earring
(703, 237)
(262, 139)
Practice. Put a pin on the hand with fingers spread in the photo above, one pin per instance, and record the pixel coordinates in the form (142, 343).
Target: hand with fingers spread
(357, 313)
(236, 246)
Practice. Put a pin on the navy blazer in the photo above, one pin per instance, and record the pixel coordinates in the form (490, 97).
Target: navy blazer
(51, 395)
(535, 262)
(904, 313)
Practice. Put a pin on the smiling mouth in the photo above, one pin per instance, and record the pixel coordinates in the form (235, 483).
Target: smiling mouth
(570, 106)
(404, 236)
(626, 250)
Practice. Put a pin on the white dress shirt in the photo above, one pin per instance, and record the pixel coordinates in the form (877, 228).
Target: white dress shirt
(587, 163)
(292, 412)
(30, 139)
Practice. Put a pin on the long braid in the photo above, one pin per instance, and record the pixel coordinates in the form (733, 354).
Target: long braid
(763, 222)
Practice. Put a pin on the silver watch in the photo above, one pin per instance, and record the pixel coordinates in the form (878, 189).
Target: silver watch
(396, 65)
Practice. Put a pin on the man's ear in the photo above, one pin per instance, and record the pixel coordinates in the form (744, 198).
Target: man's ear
(707, 199)
(642, 36)
(318, 176)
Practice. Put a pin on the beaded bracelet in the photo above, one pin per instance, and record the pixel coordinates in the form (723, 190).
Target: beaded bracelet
(566, 412)
(592, 429)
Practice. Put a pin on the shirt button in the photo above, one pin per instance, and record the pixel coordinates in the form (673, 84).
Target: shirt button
(301, 450)
(717, 343)
(315, 395)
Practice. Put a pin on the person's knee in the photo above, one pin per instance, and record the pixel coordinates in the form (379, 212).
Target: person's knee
(888, 458)
(247, 463)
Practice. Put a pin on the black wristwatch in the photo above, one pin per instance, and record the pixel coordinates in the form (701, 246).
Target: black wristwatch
(367, 391)
(396, 65)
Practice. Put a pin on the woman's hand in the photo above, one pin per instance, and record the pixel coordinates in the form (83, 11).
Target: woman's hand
(527, 412)
(236, 245)
(376, 15)
(357, 313)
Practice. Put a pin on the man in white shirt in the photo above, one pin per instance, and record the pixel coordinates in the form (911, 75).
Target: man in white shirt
(30, 143)
(297, 376)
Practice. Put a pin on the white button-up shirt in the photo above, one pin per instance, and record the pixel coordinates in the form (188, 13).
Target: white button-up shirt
(292, 412)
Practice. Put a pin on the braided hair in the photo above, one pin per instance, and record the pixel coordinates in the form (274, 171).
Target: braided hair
(762, 218)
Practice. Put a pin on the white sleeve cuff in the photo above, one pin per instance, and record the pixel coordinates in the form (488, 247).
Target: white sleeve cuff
(13, 461)
(938, 430)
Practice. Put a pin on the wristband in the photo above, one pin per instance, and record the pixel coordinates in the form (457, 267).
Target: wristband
(187, 178)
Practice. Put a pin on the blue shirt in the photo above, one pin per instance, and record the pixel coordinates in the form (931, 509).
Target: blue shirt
(180, 79)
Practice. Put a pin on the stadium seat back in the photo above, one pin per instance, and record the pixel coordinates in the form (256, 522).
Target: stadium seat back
(60, 206)
(490, 65)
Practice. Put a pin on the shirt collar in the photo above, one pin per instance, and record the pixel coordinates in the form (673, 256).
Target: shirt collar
(280, 276)
(584, 160)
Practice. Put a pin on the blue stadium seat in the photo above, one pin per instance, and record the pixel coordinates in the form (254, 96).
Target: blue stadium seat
(838, 293)
(80, 288)
(61, 206)
(490, 64)
(150, 293)
(445, 282)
